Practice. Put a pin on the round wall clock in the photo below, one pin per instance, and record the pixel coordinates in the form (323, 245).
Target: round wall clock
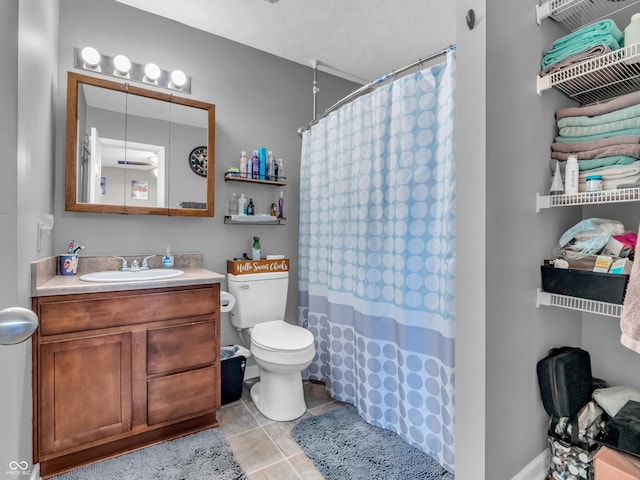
(198, 161)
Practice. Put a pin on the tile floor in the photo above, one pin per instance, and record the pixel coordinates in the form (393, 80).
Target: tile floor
(264, 448)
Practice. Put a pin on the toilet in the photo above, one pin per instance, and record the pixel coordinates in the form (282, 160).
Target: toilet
(281, 350)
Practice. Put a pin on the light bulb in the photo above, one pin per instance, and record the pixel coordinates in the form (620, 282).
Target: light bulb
(178, 78)
(90, 56)
(152, 71)
(122, 64)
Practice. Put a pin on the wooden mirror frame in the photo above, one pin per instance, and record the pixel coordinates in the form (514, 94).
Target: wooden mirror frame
(74, 80)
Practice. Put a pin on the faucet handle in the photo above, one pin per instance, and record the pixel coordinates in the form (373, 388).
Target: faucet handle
(145, 265)
(125, 265)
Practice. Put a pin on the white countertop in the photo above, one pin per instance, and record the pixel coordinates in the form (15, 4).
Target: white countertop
(70, 284)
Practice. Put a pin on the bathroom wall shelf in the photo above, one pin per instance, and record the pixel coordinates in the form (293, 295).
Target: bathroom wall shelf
(575, 303)
(598, 79)
(573, 14)
(278, 221)
(584, 198)
(230, 177)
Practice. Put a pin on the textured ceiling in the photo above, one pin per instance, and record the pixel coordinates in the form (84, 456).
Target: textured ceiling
(359, 40)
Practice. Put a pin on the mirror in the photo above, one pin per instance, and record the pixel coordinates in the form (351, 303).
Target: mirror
(136, 151)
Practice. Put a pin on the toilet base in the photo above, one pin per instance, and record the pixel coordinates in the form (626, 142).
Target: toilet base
(279, 397)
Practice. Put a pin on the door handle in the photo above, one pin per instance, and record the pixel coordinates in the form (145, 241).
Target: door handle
(16, 325)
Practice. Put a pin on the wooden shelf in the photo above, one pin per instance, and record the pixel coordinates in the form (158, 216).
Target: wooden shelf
(235, 177)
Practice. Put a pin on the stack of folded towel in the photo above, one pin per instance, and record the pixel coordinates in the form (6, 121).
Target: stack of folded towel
(604, 137)
(588, 42)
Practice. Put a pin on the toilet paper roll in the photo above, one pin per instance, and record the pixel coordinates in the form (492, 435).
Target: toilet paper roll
(227, 301)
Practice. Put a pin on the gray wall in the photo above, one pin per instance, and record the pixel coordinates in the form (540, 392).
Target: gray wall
(520, 127)
(503, 135)
(12, 359)
(261, 100)
(501, 241)
(28, 30)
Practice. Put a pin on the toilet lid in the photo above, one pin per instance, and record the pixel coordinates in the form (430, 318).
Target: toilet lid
(280, 335)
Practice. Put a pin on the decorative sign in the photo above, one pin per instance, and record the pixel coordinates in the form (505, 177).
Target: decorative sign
(244, 267)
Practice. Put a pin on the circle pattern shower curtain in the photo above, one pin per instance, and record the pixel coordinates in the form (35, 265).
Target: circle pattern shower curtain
(376, 255)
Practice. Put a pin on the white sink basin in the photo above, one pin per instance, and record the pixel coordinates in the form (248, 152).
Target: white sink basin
(132, 276)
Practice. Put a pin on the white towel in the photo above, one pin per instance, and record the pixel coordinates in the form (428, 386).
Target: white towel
(630, 318)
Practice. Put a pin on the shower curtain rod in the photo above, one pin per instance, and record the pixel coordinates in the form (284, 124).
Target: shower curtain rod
(371, 85)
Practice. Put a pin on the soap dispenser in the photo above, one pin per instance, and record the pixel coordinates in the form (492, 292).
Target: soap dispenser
(167, 260)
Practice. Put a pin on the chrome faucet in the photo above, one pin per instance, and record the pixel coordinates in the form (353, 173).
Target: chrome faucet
(145, 264)
(125, 265)
(135, 266)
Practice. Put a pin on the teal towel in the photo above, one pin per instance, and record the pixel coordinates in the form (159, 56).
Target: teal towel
(586, 165)
(604, 32)
(588, 138)
(587, 121)
(620, 125)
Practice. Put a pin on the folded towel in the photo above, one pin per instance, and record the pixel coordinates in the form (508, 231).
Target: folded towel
(613, 172)
(593, 52)
(612, 184)
(596, 136)
(626, 113)
(610, 127)
(590, 165)
(572, 147)
(628, 150)
(616, 103)
(604, 32)
(630, 318)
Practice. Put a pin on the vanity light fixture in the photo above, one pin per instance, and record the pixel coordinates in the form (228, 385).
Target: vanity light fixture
(152, 73)
(178, 78)
(88, 58)
(122, 66)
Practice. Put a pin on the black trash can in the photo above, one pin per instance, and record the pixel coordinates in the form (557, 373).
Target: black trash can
(231, 378)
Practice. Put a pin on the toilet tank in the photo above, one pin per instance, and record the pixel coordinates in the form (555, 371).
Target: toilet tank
(260, 297)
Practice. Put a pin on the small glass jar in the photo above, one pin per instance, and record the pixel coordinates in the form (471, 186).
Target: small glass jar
(594, 183)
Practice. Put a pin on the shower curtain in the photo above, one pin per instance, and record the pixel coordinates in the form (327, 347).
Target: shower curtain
(376, 261)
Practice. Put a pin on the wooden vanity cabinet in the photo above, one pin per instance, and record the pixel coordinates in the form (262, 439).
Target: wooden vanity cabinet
(116, 371)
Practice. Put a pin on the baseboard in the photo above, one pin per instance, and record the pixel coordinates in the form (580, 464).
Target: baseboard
(35, 472)
(536, 469)
(251, 371)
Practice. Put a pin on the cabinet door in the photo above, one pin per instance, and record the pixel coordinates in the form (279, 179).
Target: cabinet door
(85, 391)
(183, 395)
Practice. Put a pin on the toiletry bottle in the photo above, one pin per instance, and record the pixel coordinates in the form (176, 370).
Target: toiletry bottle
(556, 185)
(571, 172)
(255, 249)
(271, 166)
(255, 165)
(242, 201)
(243, 164)
(233, 204)
(167, 260)
(280, 167)
(251, 208)
(262, 164)
(274, 209)
(281, 205)
(631, 36)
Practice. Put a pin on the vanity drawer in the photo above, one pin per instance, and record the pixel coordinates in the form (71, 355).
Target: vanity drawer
(75, 313)
(182, 395)
(181, 347)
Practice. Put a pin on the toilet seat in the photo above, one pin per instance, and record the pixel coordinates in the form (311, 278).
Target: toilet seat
(280, 336)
